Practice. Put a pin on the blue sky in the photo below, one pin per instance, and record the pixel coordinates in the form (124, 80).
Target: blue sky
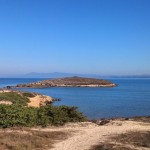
(107, 37)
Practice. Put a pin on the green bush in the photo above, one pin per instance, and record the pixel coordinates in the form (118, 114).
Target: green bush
(14, 115)
(27, 94)
(15, 98)
(11, 115)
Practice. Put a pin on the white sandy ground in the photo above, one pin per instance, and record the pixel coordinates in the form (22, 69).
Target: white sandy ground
(85, 135)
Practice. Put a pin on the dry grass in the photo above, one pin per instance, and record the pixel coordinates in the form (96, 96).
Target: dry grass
(26, 139)
(109, 146)
(140, 139)
(141, 119)
(126, 141)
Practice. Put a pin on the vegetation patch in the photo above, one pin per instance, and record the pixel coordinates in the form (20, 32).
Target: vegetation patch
(29, 139)
(28, 94)
(109, 146)
(14, 115)
(139, 138)
(126, 141)
(15, 98)
(145, 119)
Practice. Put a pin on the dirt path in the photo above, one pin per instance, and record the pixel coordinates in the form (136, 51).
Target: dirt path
(87, 134)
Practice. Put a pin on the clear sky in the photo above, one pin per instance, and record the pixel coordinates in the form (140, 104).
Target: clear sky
(107, 37)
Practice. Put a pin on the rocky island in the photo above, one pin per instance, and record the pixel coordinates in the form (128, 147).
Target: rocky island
(67, 82)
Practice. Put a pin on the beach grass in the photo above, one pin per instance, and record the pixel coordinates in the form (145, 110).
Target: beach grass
(27, 139)
(126, 141)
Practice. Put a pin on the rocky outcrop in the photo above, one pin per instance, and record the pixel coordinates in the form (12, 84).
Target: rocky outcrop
(32, 99)
(68, 82)
(39, 100)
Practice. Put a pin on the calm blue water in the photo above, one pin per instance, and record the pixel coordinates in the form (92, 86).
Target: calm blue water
(130, 98)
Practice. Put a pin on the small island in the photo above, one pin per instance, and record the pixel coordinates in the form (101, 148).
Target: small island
(67, 82)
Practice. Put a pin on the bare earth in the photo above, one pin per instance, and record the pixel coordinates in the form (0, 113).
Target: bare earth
(85, 135)
(39, 100)
(6, 102)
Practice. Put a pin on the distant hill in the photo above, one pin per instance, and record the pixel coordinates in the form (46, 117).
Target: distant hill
(56, 75)
(62, 75)
(131, 76)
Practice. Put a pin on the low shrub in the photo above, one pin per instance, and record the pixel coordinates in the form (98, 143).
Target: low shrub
(27, 94)
(15, 98)
(14, 115)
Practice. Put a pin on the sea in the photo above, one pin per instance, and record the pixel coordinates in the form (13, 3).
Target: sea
(130, 98)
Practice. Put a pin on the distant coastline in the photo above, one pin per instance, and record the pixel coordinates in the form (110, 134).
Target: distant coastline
(62, 75)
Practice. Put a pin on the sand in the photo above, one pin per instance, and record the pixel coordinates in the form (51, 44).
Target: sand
(85, 135)
(6, 102)
(39, 100)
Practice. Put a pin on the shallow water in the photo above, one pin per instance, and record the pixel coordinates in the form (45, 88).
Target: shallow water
(130, 98)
